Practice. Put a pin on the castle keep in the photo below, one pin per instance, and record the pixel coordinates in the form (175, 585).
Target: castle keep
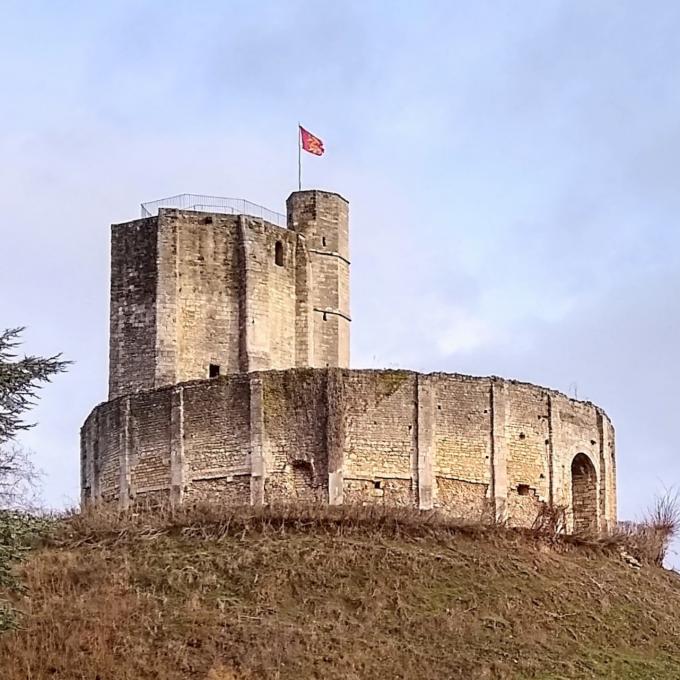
(195, 292)
(229, 380)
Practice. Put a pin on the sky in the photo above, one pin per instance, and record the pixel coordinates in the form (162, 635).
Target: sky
(512, 171)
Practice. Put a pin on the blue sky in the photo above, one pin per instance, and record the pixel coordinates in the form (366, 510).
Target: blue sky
(512, 170)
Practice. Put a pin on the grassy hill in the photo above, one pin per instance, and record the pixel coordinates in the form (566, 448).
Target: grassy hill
(229, 595)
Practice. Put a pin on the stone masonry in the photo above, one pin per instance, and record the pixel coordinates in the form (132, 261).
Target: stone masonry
(229, 381)
(191, 290)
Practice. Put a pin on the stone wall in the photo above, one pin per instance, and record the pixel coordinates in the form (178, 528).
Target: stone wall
(469, 446)
(191, 290)
(295, 418)
(134, 280)
(380, 437)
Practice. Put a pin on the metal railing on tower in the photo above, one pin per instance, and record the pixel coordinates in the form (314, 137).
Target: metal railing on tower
(214, 204)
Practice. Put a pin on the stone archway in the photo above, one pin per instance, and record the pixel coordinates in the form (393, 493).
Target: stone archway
(583, 494)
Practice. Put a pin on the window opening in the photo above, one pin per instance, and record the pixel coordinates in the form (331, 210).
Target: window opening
(213, 371)
(278, 254)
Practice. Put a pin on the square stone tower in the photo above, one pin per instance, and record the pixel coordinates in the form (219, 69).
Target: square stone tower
(199, 294)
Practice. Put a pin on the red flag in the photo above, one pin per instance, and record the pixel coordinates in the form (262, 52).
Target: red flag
(311, 143)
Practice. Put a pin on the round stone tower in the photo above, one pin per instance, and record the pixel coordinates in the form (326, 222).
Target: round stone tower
(321, 217)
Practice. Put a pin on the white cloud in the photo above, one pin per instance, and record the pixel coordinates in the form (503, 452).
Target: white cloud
(461, 331)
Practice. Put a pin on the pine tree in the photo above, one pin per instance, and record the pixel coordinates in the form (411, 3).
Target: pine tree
(20, 380)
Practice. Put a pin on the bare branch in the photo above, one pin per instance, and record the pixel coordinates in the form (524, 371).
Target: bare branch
(19, 478)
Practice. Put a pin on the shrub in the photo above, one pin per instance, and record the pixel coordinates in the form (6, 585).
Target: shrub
(649, 540)
(662, 522)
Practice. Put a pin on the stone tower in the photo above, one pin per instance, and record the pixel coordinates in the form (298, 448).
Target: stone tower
(197, 295)
(322, 219)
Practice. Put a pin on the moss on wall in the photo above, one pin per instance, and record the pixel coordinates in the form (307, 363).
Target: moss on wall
(388, 382)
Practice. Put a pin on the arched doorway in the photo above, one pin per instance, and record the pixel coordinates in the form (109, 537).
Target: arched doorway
(584, 494)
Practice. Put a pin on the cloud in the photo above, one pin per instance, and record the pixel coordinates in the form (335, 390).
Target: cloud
(460, 331)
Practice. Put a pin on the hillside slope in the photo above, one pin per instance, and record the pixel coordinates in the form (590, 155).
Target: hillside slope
(222, 595)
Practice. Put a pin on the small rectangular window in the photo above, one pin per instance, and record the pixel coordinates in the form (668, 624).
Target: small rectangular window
(278, 254)
(214, 371)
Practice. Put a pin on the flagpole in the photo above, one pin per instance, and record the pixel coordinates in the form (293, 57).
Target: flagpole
(299, 159)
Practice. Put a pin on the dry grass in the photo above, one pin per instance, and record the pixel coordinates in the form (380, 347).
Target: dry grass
(295, 593)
